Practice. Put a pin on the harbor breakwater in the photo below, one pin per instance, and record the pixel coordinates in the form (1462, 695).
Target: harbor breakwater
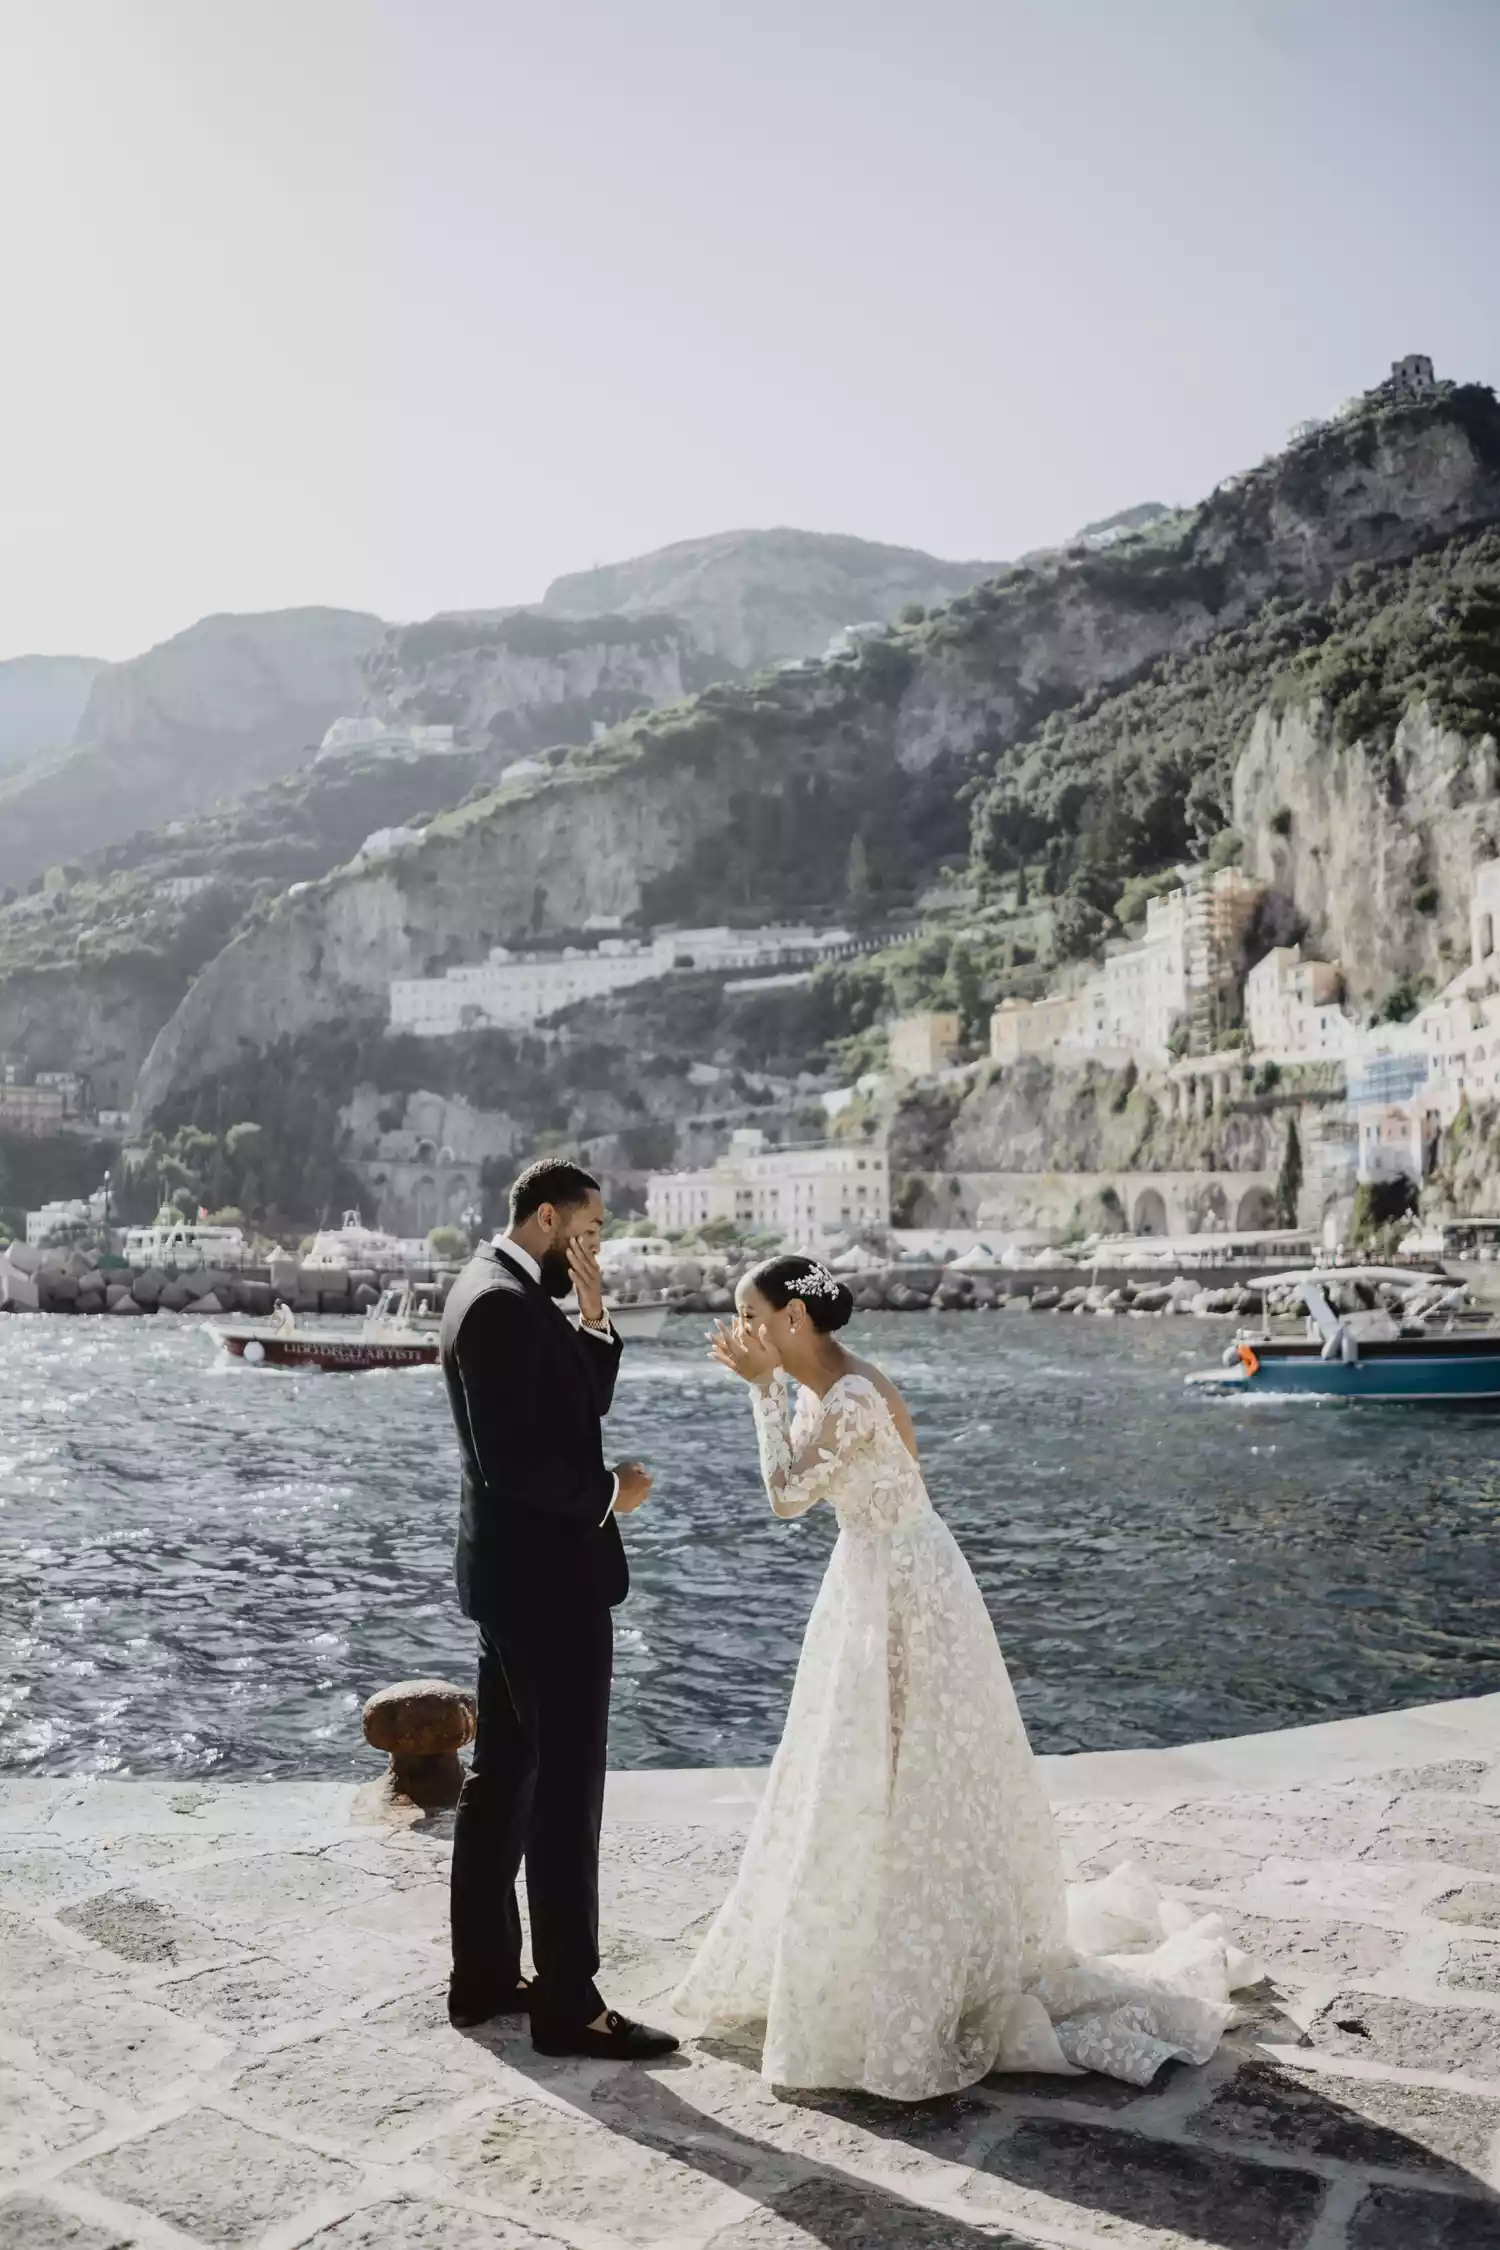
(74, 1282)
(78, 1281)
(1062, 1288)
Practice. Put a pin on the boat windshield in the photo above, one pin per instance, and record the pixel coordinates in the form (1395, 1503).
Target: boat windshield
(1470, 1238)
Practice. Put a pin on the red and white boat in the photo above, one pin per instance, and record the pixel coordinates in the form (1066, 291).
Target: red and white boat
(400, 1331)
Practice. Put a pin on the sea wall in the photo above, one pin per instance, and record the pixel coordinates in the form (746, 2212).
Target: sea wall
(73, 1281)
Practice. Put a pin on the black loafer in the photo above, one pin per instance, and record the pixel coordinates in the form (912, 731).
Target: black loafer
(468, 2009)
(620, 2041)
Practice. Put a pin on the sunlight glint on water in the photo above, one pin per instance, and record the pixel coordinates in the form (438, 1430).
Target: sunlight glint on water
(205, 1569)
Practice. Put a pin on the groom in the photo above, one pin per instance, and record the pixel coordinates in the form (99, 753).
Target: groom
(540, 1565)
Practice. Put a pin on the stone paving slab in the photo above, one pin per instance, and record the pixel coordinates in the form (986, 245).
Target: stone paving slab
(222, 2027)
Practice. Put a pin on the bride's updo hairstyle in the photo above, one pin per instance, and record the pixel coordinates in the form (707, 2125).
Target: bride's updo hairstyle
(779, 1280)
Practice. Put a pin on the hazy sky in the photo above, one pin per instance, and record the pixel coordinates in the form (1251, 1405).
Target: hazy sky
(411, 304)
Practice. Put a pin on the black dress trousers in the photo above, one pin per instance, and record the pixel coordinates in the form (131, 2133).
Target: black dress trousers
(535, 1794)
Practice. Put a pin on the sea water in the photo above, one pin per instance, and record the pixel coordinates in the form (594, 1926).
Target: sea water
(205, 1568)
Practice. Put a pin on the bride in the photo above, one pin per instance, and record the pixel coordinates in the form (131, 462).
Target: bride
(900, 1920)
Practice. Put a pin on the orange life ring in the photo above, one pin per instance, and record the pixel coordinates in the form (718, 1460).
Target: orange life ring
(1248, 1359)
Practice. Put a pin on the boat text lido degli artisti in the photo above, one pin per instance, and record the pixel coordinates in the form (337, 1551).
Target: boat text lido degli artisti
(401, 1330)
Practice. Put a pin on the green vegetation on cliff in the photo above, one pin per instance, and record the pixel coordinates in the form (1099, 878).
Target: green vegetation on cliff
(1122, 784)
(526, 632)
(135, 897)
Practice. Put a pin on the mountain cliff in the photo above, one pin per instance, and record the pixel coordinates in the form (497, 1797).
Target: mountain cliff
(92, 968)
(523, 681)
(41, 702)
(1122, 783)
(753, 796)
(1375, 841)
(204, 718)
(93, 963)
(756, 596)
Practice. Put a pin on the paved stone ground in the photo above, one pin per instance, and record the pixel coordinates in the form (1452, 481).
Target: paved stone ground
(222, 2023)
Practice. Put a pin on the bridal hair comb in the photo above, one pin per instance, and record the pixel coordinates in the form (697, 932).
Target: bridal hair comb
(816, 1282)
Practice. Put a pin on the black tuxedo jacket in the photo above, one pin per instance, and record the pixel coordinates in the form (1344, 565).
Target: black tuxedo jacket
(527, 1393)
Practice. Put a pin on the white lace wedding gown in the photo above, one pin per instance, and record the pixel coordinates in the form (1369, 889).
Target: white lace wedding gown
(900, 1921)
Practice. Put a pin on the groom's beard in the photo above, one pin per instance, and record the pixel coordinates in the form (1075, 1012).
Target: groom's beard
(554, 1273)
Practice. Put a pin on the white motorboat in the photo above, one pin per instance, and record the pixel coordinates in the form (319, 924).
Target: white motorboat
(1415, 1348)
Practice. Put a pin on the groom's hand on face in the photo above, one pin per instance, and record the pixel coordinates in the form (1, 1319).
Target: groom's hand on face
(588, 1281)
(635, 1483)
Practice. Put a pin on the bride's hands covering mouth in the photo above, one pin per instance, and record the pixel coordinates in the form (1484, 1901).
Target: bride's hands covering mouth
(746, 1352)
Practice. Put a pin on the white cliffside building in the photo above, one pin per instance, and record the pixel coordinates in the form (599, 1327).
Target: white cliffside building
(1407, 1082)
(384, 738)
(384, 843)
(509, 991)
(1459, 1031)
(806, 1192)
(1179, 981)
(1294, 1011)
(63, 1221)
(1141, 993)
(1036, 1027)
(920, 1046)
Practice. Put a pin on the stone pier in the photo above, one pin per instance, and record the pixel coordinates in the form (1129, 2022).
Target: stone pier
(222, 2023)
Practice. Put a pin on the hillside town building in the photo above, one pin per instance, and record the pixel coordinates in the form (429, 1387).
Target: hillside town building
(61, 1221)
(1405, 1083)
(510, 990)
(1413, 376)
(807, 1192)
(33, 1110)
(1178, 984)
(1034, 1027)
(1294, 1011)
(384, 738)
(919, 1046)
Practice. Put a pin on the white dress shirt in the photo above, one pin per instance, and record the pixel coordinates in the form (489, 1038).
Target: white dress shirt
(601, 1328)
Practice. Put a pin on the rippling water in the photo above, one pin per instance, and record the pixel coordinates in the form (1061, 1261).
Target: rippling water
(206, 1568)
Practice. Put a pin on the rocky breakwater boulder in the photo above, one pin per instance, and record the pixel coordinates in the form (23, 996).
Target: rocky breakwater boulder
(328, 1287)
(1141, 1299)
(932, 1288)
(18, 1289)
(954, 1293)
(55, 1281)
(58, 1290)
(695, 1285)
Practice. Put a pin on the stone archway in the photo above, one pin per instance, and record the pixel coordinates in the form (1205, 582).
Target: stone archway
(1150, 1213)
(1257, 1211)
(424, 1197)
(1208, 1213)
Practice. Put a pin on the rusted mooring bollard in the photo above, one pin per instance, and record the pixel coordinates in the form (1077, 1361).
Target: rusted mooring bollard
(423, 1724)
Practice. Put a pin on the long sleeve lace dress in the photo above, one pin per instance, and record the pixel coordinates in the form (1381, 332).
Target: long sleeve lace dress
(900, 1920)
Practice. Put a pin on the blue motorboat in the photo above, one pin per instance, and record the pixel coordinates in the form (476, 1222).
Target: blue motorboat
(1416, 1351)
